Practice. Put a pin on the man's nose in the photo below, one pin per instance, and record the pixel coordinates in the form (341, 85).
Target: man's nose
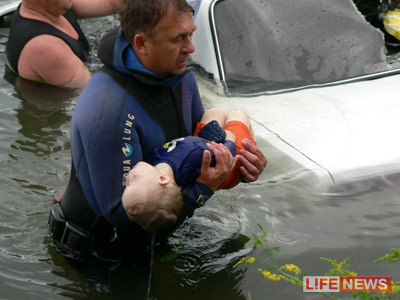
(189, 46)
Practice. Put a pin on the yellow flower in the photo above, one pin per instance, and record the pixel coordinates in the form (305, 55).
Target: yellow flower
(265, 273)
(251, 260)
(271, 276)
(292, 268)
(353, 274)
(274, 277)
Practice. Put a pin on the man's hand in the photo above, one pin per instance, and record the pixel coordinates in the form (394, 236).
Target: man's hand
(253, 161)
(213, 177)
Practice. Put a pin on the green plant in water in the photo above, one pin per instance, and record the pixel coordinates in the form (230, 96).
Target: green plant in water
(293, 274)
(394, 257)
(339, 269)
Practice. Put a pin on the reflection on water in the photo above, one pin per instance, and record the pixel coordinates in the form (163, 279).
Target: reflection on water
(41, 115)
(359, 221)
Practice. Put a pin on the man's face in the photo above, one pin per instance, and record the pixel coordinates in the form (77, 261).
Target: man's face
(169, 49)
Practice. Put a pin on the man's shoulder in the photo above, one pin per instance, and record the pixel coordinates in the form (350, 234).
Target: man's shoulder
(47, 43)
(189, 81)
(105, 84)
(48, 58)
(100, 101)
(190, 76)
(101, 92)
(47, 50)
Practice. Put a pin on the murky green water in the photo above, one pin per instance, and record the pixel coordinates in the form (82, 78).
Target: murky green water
(362, 223)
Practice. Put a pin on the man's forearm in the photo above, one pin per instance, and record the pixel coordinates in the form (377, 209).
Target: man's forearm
(96, 8)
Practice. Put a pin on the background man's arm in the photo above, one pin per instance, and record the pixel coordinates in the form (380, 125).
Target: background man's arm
(96, 8)
(49, 59)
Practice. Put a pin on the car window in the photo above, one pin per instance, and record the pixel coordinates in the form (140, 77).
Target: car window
(269, 45)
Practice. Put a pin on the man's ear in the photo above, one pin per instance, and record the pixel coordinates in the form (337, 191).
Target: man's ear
(164, 179)
(140, 43)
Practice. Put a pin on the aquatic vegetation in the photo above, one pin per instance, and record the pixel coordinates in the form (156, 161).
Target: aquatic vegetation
(293, 274)
(390, 258)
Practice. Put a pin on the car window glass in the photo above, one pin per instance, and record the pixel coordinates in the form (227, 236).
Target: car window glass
(278, 44)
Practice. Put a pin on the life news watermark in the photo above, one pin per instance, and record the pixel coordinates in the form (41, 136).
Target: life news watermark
(329, 284)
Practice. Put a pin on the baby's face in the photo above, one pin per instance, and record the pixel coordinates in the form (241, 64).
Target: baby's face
(142, 177)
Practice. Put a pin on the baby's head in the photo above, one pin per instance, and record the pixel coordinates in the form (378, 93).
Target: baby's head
(151, 197)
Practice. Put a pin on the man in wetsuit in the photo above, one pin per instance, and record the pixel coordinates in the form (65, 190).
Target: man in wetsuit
(46, 43)
(143, 97)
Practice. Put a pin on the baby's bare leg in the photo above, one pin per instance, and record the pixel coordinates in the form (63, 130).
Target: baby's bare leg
(214, 114)
(230, 136)
(240, 115)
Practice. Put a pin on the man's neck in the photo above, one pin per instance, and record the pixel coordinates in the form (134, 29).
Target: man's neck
(38, 12)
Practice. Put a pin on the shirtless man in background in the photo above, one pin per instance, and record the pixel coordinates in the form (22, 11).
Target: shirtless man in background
(46, 43)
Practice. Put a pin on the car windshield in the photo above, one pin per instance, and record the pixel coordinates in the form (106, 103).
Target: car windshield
(269, 45)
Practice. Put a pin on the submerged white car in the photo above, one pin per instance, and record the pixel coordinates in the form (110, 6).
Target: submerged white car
(316, 78)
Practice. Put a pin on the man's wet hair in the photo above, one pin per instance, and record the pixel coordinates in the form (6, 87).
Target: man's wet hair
(144, 15)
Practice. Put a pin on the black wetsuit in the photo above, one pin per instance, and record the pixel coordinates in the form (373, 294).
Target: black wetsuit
(124, 112)
(22, 30)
